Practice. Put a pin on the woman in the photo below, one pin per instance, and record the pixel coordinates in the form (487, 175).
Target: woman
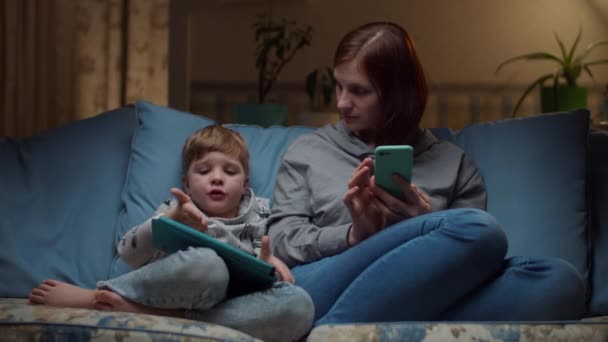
(366, 256)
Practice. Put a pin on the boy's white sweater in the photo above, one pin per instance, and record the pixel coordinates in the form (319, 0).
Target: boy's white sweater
(245, 231)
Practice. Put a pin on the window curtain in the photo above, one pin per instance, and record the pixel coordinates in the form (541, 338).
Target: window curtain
(65, 60)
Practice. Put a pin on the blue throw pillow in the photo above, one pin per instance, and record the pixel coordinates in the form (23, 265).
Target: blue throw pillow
(266, 147)
(156, 159)
(534, 169)
(155, 165)
(60, 200)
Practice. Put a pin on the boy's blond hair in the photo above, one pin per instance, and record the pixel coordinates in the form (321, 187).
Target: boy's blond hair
(215, 138)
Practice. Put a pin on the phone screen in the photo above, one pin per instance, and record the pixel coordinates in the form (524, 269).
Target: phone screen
(389, 160)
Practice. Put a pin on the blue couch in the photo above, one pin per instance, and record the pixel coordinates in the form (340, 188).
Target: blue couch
(70, 193)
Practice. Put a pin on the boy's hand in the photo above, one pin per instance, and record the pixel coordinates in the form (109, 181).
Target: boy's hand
(187, 212)
(280, 267)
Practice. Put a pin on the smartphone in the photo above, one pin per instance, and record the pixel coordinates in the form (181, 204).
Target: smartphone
(391, 159)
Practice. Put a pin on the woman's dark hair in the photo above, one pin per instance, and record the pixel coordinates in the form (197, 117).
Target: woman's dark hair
(388, 57)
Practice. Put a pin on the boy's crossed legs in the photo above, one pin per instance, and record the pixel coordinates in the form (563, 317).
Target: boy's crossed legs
(172, 286)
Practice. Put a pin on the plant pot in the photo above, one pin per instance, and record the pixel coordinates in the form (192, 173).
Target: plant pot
(261, 114)
(567, 98)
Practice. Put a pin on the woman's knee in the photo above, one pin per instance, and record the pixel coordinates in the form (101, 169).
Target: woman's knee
(566, 273)
(562, 288)
(572, 291)
(477, 227)
(556, 270)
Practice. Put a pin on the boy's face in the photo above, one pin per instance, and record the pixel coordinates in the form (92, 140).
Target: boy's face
(216, 182)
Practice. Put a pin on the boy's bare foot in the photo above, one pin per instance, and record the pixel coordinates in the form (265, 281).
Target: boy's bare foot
(57, 293)
(111, 301)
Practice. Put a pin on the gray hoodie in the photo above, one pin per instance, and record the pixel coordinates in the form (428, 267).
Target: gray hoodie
(245, 231)
(309, 220)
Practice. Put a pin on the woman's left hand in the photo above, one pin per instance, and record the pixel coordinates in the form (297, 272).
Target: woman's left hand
(280, 267)
(415, 201)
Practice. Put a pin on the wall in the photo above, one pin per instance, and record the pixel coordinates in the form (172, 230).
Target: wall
(460, 44)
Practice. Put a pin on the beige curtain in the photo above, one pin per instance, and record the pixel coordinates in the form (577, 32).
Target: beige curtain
(64, 60)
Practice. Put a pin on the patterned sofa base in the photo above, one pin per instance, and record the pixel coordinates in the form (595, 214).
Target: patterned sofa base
(586, 330)
(20, 321)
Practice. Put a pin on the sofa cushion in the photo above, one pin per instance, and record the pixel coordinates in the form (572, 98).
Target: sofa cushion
(60, 198)
(598, 193)
(534, 169)
(155, 164)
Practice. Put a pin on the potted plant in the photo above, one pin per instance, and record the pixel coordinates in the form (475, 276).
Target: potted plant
(320, 87)
(564, 92)
(277, 43)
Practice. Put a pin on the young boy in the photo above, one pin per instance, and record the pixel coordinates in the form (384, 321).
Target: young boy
(193, 283)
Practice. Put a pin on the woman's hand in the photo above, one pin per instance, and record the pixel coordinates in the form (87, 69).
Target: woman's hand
(280, 267)
(367, 217)
(394, 210)
(187, 212)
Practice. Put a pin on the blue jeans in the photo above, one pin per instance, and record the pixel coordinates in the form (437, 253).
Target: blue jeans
(197, 279)
(446, 265)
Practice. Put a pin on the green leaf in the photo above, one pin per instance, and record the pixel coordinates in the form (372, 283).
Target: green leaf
(530, 56)
(580, 59)
(556, 74)
(561, 47)
(573, 49)
(596, 62)
(588, 70)
(538, 81)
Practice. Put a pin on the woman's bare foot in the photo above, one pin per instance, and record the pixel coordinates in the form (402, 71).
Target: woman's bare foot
(57, 293)
(111, 301)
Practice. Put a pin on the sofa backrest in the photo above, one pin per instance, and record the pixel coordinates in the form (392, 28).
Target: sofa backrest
(59, 201)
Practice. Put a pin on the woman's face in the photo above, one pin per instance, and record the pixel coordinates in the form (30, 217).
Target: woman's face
(357, 99)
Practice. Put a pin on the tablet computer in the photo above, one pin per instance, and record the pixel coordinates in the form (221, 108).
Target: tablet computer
(247, 273)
